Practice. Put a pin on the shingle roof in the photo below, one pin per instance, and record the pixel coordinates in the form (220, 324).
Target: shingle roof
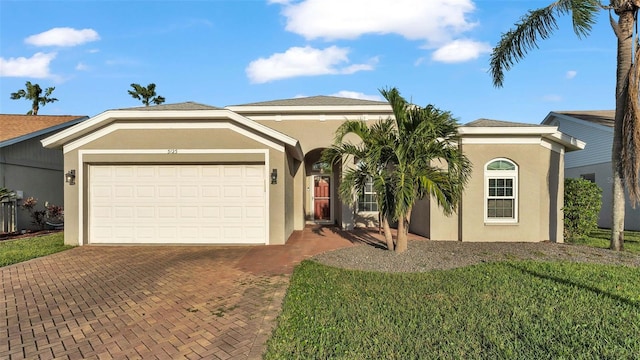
(16, 126)
(497, 123)
(316, 101)
(184, 106)
(600, 117)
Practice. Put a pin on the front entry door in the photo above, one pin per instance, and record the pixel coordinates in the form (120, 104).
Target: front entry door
(322, 198)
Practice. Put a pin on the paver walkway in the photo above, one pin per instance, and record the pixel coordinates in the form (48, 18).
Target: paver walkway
(153, 302)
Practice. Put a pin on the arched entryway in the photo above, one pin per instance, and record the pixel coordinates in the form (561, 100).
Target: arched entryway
(321, 195)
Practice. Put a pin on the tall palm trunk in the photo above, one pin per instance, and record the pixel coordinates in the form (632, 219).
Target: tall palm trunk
(387, 233)
(624, 33)
(403, 232)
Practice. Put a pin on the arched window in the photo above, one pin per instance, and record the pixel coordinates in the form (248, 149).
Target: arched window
(501, 191)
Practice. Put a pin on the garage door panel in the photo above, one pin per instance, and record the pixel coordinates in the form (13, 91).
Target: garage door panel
(123, 192)
(233, 192)
(191, 191)
(177, 204)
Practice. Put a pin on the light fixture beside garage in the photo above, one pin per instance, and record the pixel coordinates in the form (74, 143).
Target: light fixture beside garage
(274, 176)
(70, 177)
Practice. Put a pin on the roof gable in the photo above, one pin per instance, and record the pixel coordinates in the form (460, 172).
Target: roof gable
(598, 117)
(194, 117)
(497, 123)
(184, 106)
(16, 128)
(317, 101)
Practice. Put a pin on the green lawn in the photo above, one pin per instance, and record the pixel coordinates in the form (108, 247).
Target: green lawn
(524, 310)
(600, 238)
(15, 251)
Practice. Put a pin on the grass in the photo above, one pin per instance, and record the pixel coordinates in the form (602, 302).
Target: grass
(507, 310)
(15, 251)
(600, 238)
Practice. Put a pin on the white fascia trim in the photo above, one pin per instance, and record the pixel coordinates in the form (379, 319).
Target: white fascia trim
(80, 177)
(311, 109)
(578, 121)
(133, 115)
(553, 146)
(567, 141)
(160, 126)
(502, 140)
(506, 130)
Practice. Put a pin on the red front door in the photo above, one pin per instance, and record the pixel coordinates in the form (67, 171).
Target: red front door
(322, 197)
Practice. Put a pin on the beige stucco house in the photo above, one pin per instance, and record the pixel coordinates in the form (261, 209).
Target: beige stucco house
(251, 174)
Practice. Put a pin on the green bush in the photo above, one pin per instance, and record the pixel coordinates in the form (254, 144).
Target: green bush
(582, 202)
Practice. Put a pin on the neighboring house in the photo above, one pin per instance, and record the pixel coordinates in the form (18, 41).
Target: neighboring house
(594, 163)
(28, 168)
(252, 174)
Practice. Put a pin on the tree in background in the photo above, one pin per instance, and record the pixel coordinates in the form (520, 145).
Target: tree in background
(410, 156)
(33, 92)
(539, 25)
(146, 94)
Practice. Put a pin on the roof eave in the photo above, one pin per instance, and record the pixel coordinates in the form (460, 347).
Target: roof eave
(37, 133)
(506, 130)
(59, 139)
(569, 142)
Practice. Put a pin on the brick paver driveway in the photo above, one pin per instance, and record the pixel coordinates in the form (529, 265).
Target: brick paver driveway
(147, 302)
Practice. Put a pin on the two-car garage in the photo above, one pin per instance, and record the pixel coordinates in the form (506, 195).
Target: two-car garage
(169, 204)
(176, 174)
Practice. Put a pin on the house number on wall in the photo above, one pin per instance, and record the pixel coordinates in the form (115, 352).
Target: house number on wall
(172, 151)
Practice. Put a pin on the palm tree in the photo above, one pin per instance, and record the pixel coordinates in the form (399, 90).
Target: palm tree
(410, 156)
(33, 92)
(371, 153)
(146, 94)
(625, 155)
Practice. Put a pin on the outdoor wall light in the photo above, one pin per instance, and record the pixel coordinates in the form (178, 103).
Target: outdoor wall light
(274, 176)
(70, 177)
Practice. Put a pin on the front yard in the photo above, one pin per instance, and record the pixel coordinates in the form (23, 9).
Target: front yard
(513, 309)
(15, 251)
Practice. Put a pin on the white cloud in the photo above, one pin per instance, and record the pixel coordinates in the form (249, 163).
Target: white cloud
(460, 51)
(357, 95)
(434, 21)
(571, 74)
(82, 67)
(63, 36)
(304, 61)
(36, 66)
(552, 98)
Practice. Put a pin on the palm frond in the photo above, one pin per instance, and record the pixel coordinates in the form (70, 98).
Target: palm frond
(539, 25)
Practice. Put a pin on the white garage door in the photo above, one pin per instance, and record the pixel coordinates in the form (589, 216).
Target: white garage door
(177, 204)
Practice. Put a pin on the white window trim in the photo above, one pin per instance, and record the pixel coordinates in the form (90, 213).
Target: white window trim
(501, 174)
(372, 192)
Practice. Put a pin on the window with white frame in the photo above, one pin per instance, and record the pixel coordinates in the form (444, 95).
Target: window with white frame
(501, 191)
(367, 199)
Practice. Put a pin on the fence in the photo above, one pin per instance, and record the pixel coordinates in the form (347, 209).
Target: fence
(8, 215)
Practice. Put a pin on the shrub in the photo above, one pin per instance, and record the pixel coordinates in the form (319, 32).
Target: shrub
(40, 217)
(582, 202)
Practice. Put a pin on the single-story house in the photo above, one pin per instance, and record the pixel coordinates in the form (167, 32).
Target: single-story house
(594, 162)
(251, 174)
(26, 167)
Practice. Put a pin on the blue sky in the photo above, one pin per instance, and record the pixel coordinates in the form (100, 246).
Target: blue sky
(228, 52)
